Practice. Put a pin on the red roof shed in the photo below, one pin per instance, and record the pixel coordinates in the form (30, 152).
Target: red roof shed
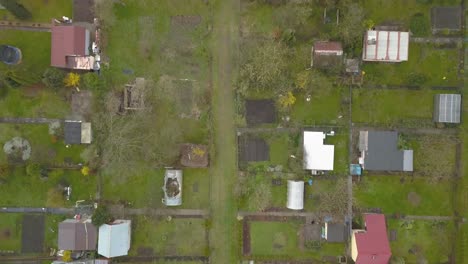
(328, 47)
(372, 245)
(68, 41)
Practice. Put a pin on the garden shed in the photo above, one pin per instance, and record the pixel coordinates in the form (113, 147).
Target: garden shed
(335, 232)
(76, 235)
(317, 156)
(380, 152)
(326, 54)
(447, 108)
(260, 111)
(77, 132)
(295, 195)
(385, 46)
(446, 18)
(70, 47)
(370, 245)
(114, 239)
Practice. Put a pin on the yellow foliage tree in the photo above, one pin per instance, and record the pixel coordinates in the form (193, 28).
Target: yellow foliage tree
(287, 100)
(198, 151)
(67, 256)
(85, 170)
(72, 80)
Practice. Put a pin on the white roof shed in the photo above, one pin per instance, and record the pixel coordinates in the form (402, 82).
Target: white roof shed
(317, 156)
(385, 46)
(295, 195)
(114, 239)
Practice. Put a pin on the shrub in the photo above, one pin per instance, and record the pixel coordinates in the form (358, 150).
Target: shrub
(417, 79)
(17, 9)
(101, 216)
(33, 169)
(90, 81)
(419, 25)
(72, 80)
(53, 78)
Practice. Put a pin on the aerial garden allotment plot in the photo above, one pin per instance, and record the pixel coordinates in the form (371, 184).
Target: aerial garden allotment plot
(259, 108)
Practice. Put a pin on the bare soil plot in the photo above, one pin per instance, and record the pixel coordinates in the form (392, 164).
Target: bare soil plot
(33, 234)
(252, 149)
(260, 111)
(83, 11)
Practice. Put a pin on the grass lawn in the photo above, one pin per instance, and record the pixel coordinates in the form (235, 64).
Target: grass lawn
(51, 230)
(144, 189)
(319, 110)
(179, 236)
(43, 103)
(35, 58)
(145, 55)
(279, 240)
(43, 11)
(45, 149)
(10, 232)
(413, 197)
(434, 155)
(23, 190)
(389, 106)
(380, 11)
(340, 140)
(429, 240)
(433, 63)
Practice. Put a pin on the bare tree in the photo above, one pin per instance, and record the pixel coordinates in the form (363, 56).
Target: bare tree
(335, 202)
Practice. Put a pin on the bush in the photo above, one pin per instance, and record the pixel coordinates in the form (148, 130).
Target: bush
(33, 169)
(90, 81)
(53, 78)
(419, 25)
(417, 79)
(17, 9)
(101, 216)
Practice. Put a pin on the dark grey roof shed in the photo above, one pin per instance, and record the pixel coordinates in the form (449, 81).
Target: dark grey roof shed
(335, 232)
(447, 108)
(380, 152)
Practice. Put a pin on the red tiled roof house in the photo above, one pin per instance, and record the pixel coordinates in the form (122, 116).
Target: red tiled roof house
(70, 48)
(326, 54)
(371, 246)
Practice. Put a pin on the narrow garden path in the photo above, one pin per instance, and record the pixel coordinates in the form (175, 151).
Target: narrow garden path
(194, 213)
(27, 26)
(223, 234)
(27, 120)
(278, 214)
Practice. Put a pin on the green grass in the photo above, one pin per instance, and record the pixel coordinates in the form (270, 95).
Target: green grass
(280, 240)
(44, 147)
(319, 110)
(425, 59)
(144, 188)
(45, 103)
(431, 240)
(10, 232)
(340, 140)
(180, 236)
(380, 11)
(394, 106)
(43, 11)
(51, 230)
(434, 155)
(35, 58)
(389, 194)
(147, 62)
(29, 191)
